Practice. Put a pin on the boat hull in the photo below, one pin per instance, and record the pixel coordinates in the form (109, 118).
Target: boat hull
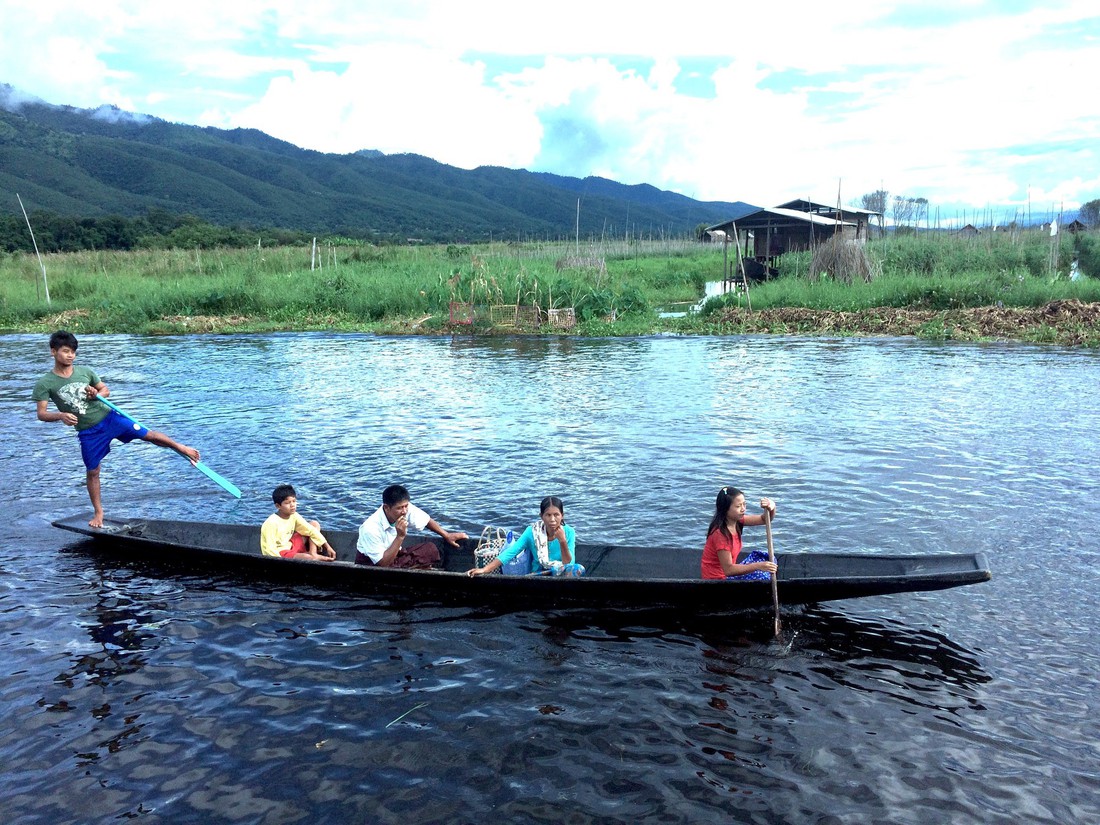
(640, 577)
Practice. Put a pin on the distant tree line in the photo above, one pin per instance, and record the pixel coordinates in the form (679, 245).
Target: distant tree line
(157, 229)
(908, 212)
(1089, 213)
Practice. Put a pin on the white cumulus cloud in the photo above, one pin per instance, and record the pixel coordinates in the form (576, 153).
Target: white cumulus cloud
(967, 103)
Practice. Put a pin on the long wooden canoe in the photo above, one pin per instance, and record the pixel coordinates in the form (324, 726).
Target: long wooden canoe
(643, 577)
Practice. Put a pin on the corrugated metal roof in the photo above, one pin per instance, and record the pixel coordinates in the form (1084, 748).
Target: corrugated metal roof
(857, 210)
(786, 217)
(803, 205)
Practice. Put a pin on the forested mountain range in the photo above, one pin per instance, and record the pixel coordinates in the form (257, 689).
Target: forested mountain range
(94, 163)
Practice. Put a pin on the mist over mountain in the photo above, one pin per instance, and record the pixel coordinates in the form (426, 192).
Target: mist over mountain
(106, 161)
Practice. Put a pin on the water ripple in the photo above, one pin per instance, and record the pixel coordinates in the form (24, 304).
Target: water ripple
(134, 691)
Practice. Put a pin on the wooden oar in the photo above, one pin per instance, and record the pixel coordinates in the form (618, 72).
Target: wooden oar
(771, 558)
(225, 484)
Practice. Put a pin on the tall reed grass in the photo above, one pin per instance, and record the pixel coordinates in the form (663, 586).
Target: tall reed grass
(350, 286)
(366, 287)
(943, 271)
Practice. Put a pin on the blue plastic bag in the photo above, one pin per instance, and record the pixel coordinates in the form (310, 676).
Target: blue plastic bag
(521, 564)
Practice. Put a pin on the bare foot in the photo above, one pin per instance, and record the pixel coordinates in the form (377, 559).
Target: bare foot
(97, 520)
(190, 453)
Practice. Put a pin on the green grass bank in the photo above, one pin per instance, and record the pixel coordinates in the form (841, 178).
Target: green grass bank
(610, 289)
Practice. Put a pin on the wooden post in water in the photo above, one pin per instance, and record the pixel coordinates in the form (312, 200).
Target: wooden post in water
(726, 259)
(741, 266)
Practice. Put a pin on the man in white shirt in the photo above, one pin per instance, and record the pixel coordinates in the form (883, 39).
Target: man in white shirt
(382, 535)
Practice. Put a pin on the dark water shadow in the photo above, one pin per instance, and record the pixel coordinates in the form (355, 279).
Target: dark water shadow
(817, 644)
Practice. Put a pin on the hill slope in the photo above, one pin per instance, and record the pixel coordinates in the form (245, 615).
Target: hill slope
(106, 161)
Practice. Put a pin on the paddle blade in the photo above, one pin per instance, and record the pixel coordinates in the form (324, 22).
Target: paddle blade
(226, 485)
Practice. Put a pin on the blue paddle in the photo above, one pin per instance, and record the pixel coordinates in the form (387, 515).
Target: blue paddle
(225, 484)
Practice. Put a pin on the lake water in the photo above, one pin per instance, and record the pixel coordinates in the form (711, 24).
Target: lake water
(131, 692)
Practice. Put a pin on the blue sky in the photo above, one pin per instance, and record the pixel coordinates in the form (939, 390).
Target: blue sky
(980, 107)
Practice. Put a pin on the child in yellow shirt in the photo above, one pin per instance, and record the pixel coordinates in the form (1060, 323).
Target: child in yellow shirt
(286, 534)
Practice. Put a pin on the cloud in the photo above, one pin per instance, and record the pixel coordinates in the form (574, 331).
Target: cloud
(399, 98)
(12, 99)
(112, 114)
(963, 102)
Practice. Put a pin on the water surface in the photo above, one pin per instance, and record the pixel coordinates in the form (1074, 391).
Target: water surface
(134, 691)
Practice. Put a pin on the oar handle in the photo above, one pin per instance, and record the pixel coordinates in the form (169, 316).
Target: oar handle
(771, 558)
(117, 409)
(768, 532)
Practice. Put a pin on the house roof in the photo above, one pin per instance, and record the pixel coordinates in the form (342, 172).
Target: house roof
(824, 208)
(805, 206)
(778, 217)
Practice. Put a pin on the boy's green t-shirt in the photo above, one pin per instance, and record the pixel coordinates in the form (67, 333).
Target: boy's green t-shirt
(68, 395)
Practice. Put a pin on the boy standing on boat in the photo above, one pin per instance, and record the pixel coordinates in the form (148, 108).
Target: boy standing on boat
(382, 535)
(75, 391)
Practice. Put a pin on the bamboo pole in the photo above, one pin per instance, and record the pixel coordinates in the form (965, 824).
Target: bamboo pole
(578, 228)
(726, 257)
(36, 252)
(741, 264)
(768, 251)
(839, 213)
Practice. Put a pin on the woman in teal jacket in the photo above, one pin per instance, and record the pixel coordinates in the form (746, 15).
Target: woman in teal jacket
(550, 545)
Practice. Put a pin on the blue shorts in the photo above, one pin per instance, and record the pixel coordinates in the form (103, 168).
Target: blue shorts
(95, 442)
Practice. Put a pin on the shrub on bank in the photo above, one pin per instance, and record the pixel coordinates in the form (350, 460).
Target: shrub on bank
(1088, 255)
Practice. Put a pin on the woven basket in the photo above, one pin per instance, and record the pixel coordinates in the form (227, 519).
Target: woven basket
(490, 544)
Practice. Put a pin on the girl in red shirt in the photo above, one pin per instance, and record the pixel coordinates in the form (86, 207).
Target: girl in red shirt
(724, 540)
